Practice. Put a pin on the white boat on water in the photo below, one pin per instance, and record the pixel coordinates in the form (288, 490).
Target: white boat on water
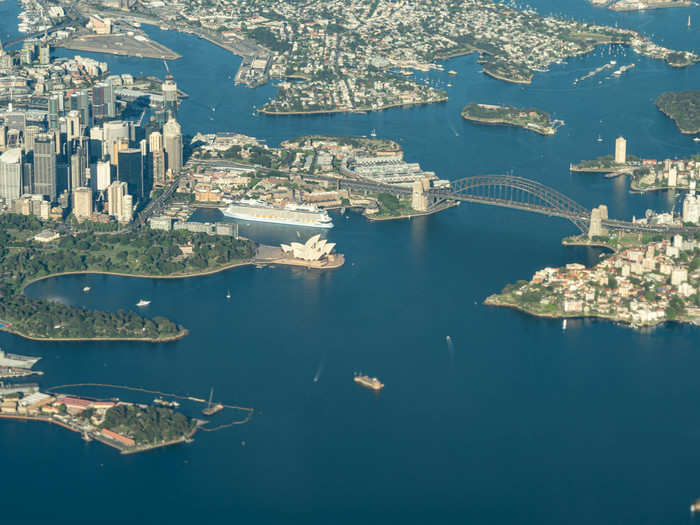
(143, 302)
(563, 324)
(696, 139)
(86, 289)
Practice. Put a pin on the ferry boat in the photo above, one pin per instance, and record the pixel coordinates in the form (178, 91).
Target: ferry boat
(143, 302)
(17, 361)
(696, 139)
(369, 382)
(292, 214)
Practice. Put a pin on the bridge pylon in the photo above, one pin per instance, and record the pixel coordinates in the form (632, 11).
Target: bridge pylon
(596, 228)
(419, 198)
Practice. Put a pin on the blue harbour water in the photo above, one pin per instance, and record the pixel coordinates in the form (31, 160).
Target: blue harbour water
(516, 422)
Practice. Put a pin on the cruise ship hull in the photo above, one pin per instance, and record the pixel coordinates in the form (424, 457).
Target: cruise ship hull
(275, 220)
(17, 361)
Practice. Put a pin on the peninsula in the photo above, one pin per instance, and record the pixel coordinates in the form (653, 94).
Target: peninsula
(647, 281)
(128, 427)
(527, 118)
(27, 255)
(328, 172)
(683, 107)
(358, 56)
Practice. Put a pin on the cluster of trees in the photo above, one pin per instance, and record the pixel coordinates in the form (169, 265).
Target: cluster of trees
(148, 426)
(145, 252)
(507, 113)
(683, 107)
(47, 319)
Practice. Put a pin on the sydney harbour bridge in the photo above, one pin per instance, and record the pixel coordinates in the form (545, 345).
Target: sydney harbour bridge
(509, 191)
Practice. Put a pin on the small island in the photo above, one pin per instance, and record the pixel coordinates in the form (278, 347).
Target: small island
(648, 280)
(531, 119)
(683, 107)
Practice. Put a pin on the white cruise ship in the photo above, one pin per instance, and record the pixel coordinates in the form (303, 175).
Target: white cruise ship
(292, 214)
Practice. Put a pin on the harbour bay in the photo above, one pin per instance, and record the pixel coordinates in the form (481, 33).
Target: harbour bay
(519, 421)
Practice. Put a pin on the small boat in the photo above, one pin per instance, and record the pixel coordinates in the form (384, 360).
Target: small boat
(143, 302)
(86, 289)
(228, 294)
(599, 139)
(373, 133)
(563, 324)
(696, 139)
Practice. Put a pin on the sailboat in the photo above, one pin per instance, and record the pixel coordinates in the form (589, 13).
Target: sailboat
(373, 133)
(599, 139)
(228, 294)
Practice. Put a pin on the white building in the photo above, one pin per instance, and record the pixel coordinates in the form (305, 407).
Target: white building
(314, 249)
(620, 150)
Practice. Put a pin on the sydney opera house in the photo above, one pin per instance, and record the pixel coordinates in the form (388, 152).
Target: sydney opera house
(315, 249)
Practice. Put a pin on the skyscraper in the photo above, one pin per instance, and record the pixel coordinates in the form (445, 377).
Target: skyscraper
(119, 202)
(158, 167)
(169, 89)
(30, 133)
(172, 141)
(620, 150)
(53, 111)
(130, 170)
(82, 203)
(79, 102)
(73, 125)
(44, 55)
(104, 176)
(11, 175)
(45, 166)
(103, 101)
(155, 141)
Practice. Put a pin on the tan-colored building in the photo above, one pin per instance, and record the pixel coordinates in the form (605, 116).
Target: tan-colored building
(620, 150)
(82, 203)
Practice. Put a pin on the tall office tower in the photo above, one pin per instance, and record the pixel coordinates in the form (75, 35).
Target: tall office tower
(172, 141)
(16, 120)
(82, 203)
(112, 131)
(57, 140)
(103, 176)
(155, 141)
(30, 133)
(120, 204)
(44, 55)
(169, 89)
(620, 150)
(79, 164)
(13, 140)
(27, 178)
(53, 112)
(11, 175)
(103, 101)
(158, 167)
(62, 179)
(130, 170)
(45, 173)
(73, 125)
(79, 102)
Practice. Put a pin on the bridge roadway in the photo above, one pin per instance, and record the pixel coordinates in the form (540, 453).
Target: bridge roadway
(508, 191)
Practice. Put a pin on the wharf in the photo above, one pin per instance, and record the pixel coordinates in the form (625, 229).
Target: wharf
(124, 44)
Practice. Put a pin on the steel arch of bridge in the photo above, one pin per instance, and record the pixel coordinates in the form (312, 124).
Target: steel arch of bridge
(514, 192)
